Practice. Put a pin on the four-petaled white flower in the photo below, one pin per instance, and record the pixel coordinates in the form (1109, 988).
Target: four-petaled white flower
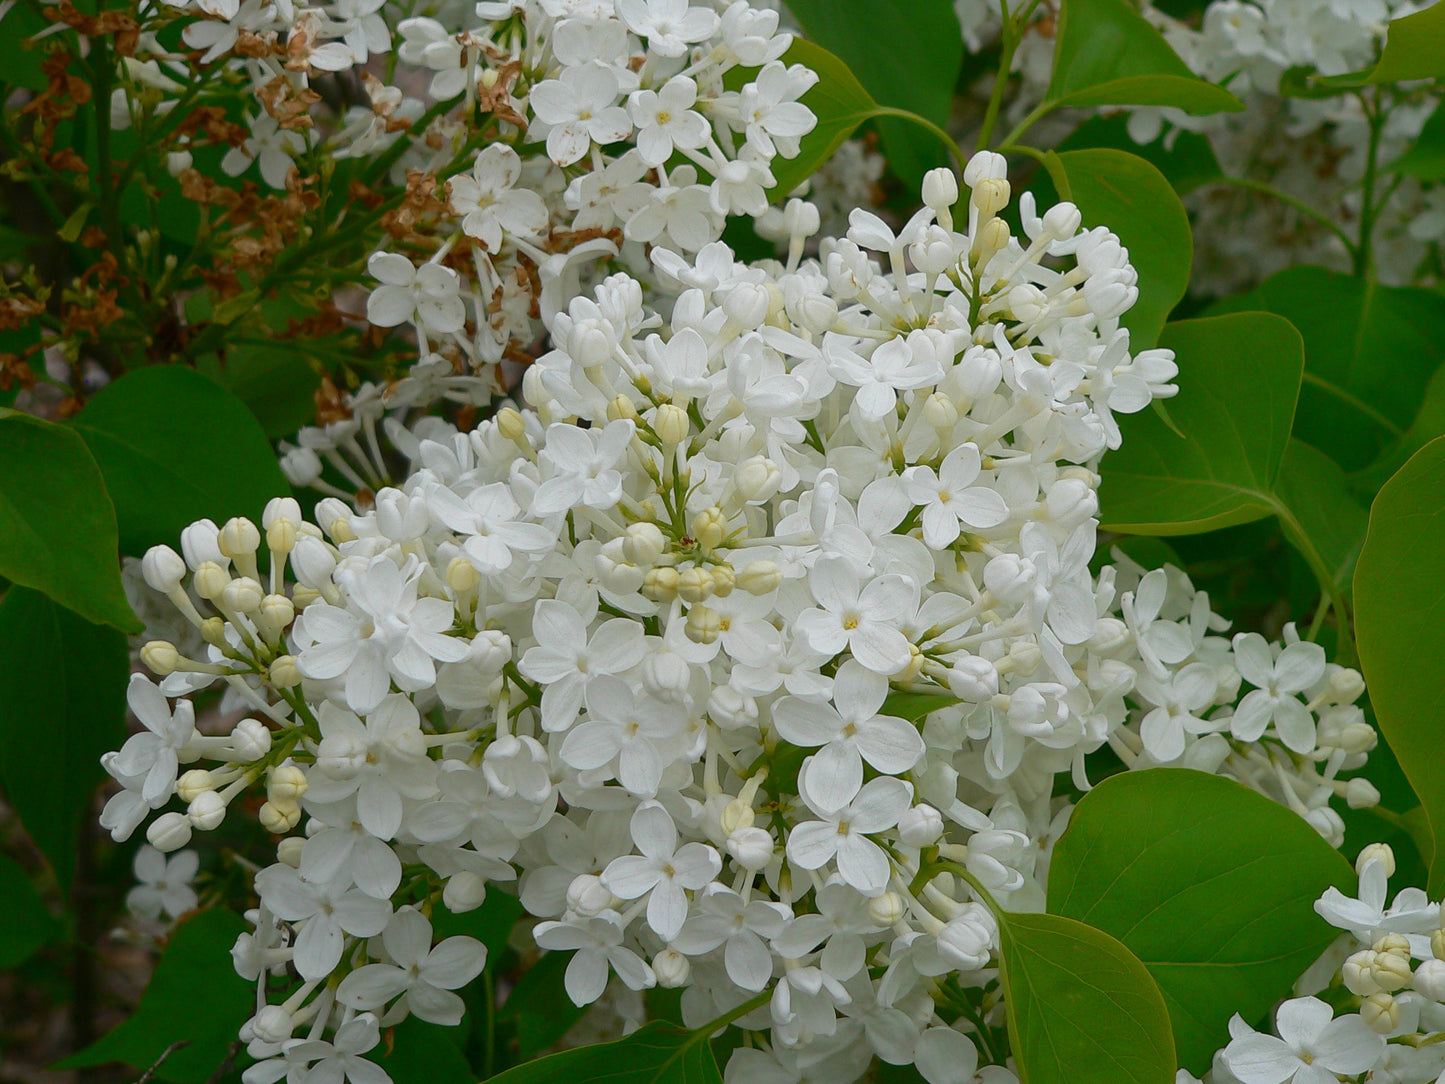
(165, 884)
(864, 619)
(1276, 680)
(1313, 1046)
(951, 501)
(421, 974)
(663, 869)
(842, 834)
(428, 295)
(580, 108)
(489, 203)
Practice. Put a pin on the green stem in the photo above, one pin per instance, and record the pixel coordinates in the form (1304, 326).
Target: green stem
(1034, 114)
(1345, 648)
(1292, 201)
(946, 865)
(1000, 80)
(924, 122)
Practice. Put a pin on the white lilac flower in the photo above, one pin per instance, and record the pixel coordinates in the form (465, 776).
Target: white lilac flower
(420, 977)
(1313, 1047)
(164, 884)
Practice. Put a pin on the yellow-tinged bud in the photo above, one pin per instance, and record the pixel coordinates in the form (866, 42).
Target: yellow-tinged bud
(193, 783)
(694, 584)
(210, 580)
(283, 672)
(723, 580)
(281, 537)
(709, 528)
(990, 195)
(462, 576)
(1381, 1012)
(622, 408)
(279, 817)
(287, 783)
(703, 624)
(511, 424)
(760, 577)
(737, 814)
(213, 631)
(671, 424)
(160, 657)
(239, 537)
(660, 584)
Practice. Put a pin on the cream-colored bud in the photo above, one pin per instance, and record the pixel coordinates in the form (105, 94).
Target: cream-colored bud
(288, 851)
(213, 631)
(277, 611)
(1437, 944)
(1381, 1012)
(993, 236)
(694, 584)
(1392, 971)
(210, 580)
(171, 831)
(703, 625)
(1358, 974)
(644, 543)
(1376, 852)
(887, 909)
(281, 537)
(194, 782)
(671, 968)
(660, 584)
(737, 814)
(914, 667)
(283, 672)
(511, 425)
(760, 577)
(239, 537)
(757, 479)
(671, 424)
(990, 195)
(1357, 737)
(206, 811)
(160, 657)
(279, 817)
(302, 596)
(243, 595)
(622, 408)
(287, 783)
(1396, 943)
(462, 576)
(723, 580)
(709, 528)
(341, 531)
(939, 411)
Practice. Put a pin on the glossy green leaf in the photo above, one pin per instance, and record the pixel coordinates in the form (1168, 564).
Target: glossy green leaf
(1239, 376)
(659, 1053)
(1186, 159)
(839, 102)
(1209, 883)
(1369, 353)
(1125, 193)
(1429, 423)
(1425, 159)
(491, 923)
(1400, 626)
(62, 704)
(422, 1052)
(28, 924)
(276, 385)
(916, 706)
(1326, 514)
(1081, 1007)
(176, 447)
(1109, 54)
(57, 524)
(194, 996)
(907, 53)
(1414, 48)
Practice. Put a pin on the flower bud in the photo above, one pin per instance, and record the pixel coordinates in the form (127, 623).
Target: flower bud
(665, 675)
(1358, 973)
(973, 679)
(1397, 943)
(250, 740)
(757, 479)
(965, 943)
(206, 811)
(723, 580)
(622, 407)
(993, 236)
(984, 164)
(660, 584)
(939, 411)
(729, 708)
(1381, 1012)
(940, 189)
(1430, 979)
(1376, 852)
(801, 218)
(199, 544)
(920, 826)
(194, 782)
(887, 909)
(694, 584)
(1391, 971)
(1345, 685)
(990, 195)
(288, 851)
(1361, 794)
(464, 891)
(614, 571)
(335, 519)
(747, 304)
(279, 818)
(243, 595)
(588, 896)
(737, 814)
(1062, 221)
(239, 537)
(281, 510)
(313, 562)
(644, 543)
(169, 832)
(1437, 944)
(283, 672)
(671, 968)
(709, 528)
(213, 631)
(1328, 824)
(760, 577)
(287, 783)
(491, 649)
(162, 569)
(301, 466)
(160, 657)
(273, 1025)
(751, 848)
(211, 580)
(462, 576)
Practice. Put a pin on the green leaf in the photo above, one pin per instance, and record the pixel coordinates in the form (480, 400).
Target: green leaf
(1108, 54)
(1324, 511)
(276, 385)
(1128, 195)
(194, 996)
(1429, 423)
(659, 1053)
(57, 525)
(28, 924)
(839, 102)
(1081, 1007)
(62, 704)
(1414, 48)
(538, 1006)
(491, 923)
(176, 447)
(1186, 160)
(424, 1052)
(915, 706)
(907, 53)
(1425, 158)
(1209, 883)
(1369, 353)
(1400, 627)
(20, 58)
(1239, 376)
